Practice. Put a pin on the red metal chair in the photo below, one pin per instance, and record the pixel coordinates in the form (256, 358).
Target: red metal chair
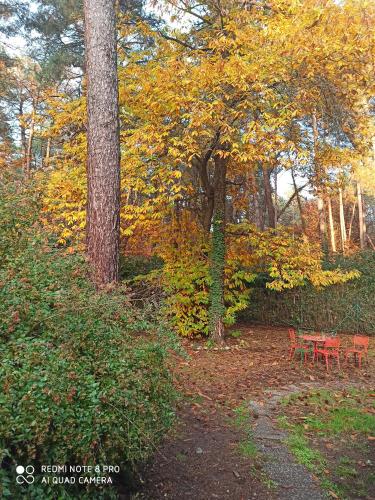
(359, 349)
(330, 349)
(294, 345)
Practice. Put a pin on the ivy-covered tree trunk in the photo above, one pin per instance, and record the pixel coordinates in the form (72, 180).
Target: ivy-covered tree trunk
(103, 165)
(217, 258)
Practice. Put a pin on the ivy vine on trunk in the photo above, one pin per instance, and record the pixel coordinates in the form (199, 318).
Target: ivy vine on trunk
(217, 260)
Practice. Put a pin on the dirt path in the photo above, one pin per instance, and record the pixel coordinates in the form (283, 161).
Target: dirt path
(201, 459)
(202, 462)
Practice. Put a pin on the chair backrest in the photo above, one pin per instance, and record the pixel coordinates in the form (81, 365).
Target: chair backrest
(333, 342)
(361, 341)
(292, 335)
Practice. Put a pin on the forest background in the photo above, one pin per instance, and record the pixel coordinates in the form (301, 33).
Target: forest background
(218, 101)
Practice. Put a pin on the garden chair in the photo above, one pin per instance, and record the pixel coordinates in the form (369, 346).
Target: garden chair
(359, 349)
(330, 349)
(294, 345)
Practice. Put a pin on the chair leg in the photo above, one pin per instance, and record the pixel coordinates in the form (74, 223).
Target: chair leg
(338, 361)
(327, 367)
(359, 359)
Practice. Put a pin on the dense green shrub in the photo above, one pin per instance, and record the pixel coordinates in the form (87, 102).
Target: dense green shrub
(348, 307)
(83, 373)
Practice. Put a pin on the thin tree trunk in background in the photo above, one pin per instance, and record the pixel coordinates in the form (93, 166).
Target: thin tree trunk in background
(352, 220)
(331, 226)
(287, 204)
(29, 151)
(217, 260)
(276, 199)
(296, 191)
(103, 165)
(48, 152)
(342, 221)
(22, 133)
(319, 189)
(370, 241)
(41, 155)
(361, 219)
(322, 223)
(255, 214)
(268, 197)
(259, 212)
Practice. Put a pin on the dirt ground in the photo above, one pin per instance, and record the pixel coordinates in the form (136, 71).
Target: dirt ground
(200, 458)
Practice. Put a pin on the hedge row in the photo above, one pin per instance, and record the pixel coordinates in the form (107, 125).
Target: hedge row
(340, 308)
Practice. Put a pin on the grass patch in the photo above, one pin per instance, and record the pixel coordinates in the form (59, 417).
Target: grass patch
(328, 434)
(343, 420)
(307, 456)
(246, 447)
(242, 416)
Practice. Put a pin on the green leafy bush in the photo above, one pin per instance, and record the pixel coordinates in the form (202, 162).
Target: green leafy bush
(81, 382)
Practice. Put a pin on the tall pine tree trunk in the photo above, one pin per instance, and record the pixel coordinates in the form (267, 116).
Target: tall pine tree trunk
(217, 260)
(103, 165)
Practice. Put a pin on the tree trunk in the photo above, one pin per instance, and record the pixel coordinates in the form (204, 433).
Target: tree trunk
(276, 199)
(217, 261)
(48, 153)
(268, 197)
(352, 220)
(342, 221)
(22, 132)
(259, 214)
(256, 214)
(322, 224)
(296, 191)
(361, 218)
(29, 151)
(331, 226)
(319, 188)
(103, 165)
